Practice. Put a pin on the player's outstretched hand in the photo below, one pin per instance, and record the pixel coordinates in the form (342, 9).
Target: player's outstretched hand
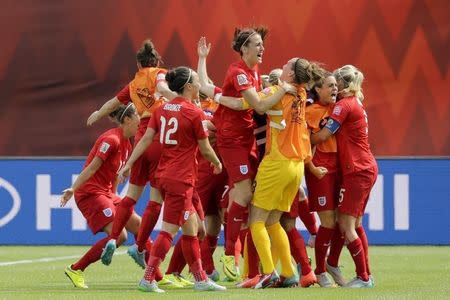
(94, 117)
(203, 48)
(67, 194)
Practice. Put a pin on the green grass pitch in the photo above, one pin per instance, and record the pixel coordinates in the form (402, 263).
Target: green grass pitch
(400, 273)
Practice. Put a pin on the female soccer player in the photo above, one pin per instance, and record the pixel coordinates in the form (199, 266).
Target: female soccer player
(280, 172)
(348, 122)
(322, 192)
(94, 188)
(146, 92)
(235, 137)
(182, 132)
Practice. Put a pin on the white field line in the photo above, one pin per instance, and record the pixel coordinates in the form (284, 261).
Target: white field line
(46, 259)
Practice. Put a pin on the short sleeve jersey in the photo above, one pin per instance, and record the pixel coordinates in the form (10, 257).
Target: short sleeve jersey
(113, 149)
(352, 136)
(180, 124)
(325, 154)
(232, 124)
(142, 90)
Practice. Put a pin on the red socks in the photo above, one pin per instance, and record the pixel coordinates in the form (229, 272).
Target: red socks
(234, 221)
(123, 214)
(253, 257)
(191, 252)
(157, 254)
(149, 219)
(357, 251)
(323, 239)
(91, 256)
(298, 250)
(337, 243)
(207, 247)
(307, 217)
(177, 261)
(365, 243)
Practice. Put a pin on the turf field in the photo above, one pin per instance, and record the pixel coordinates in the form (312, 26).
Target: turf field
(38, 273)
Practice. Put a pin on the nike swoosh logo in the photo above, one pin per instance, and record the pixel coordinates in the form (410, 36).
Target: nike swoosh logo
(237, 220)
(356, 253)
(327, 245)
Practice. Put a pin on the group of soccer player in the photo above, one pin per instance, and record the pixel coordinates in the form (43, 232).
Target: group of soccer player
(235, 156)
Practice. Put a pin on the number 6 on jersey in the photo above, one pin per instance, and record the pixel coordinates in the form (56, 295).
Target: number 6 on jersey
(172, 125)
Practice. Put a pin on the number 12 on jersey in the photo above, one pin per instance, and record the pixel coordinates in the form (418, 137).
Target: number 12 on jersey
(172, 126)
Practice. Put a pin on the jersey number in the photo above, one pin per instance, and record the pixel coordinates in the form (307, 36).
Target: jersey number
(172, 125)
(341, 195)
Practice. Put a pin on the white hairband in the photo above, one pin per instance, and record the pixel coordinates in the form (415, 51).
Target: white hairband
(247, 39)
(126, 108)
(189, 78)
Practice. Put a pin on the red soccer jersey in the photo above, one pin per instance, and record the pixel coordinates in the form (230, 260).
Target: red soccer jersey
(352, 138)
(231, 123)
(113, 149)
(180, 124)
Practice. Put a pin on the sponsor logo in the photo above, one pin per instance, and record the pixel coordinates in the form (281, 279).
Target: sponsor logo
(242, 79)
(107, 212)
(104, 147)
(322, 200)
(243, 169)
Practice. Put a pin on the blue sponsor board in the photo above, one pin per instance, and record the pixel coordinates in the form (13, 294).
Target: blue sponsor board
(409, 204)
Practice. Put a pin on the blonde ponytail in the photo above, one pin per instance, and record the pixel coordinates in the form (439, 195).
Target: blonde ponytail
(353, 79)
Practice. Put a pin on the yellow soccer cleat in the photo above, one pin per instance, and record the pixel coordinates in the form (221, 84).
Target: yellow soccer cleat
(76, 276)
(229, 267)
(169, 281)
(177, 278)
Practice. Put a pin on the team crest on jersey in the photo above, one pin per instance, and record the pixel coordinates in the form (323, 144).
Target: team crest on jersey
(107, 212)
(145, 96)
(243, 169)
(322, 200)
(242, 79)
(337, 110)
(104, 147)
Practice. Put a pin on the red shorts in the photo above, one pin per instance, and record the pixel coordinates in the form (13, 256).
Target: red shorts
(144, 168)
(98, 209)
(198, 205)
(293, 213)
(177, 201)
(355, 191)
(322, 193)
(210, 188)
(240, 161)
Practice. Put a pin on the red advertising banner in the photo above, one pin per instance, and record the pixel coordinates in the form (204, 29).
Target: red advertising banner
(60, 60)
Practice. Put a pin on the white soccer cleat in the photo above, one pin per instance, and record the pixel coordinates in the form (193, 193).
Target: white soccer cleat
(149, 287)
(359, 283)
(324, 281)
(208, 285)
(336, 273)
